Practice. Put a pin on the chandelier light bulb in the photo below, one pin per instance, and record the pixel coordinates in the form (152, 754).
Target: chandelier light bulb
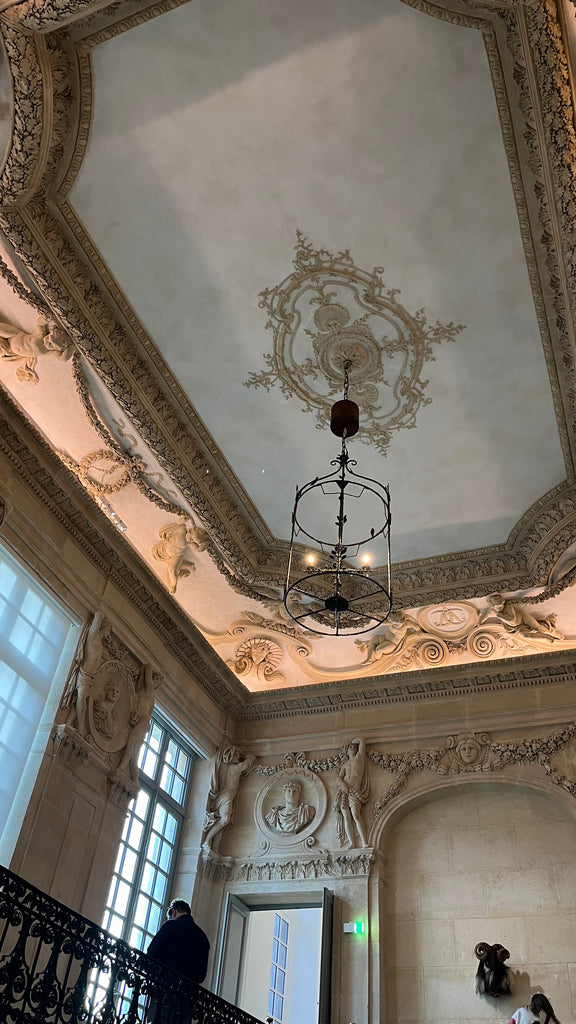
(311, 559)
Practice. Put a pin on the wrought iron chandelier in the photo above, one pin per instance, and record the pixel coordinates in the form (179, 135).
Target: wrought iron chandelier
(340, 592)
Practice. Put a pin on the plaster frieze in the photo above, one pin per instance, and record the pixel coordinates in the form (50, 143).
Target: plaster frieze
(347, 864)
(474, 752)
(241, 536)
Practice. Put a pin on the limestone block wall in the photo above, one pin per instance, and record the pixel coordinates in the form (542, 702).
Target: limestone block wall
(479, 862)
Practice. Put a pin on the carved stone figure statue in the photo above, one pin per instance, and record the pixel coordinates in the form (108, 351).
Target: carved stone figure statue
(228, 769)
(26, 347)
(139, 721)
(391, 639)
(353, 792)
(86, 663)
(518, 619)
(172, 548)
(292, 816)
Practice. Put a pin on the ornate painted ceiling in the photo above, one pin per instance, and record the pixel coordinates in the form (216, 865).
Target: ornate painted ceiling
(207, 209)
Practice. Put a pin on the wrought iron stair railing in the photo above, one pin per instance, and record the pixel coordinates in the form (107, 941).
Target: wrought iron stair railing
(57, 967)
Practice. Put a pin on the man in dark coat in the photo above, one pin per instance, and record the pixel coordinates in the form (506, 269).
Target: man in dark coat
(183, 947)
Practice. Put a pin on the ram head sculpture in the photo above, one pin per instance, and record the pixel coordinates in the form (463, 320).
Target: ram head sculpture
(492, 974)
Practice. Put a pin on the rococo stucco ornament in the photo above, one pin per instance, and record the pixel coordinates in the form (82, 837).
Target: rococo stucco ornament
(26, 347)
(261, 656)
(173, 548)
(428, 638)
(328, 312)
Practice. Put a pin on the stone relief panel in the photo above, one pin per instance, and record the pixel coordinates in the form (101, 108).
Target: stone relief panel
(295, 807)
(108, 701)
(352, 796)
(290, 807)
(327, 312)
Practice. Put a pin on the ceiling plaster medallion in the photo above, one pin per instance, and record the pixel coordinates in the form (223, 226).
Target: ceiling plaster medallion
(329, 312)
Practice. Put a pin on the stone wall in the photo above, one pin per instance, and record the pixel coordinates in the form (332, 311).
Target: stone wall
(482, 862)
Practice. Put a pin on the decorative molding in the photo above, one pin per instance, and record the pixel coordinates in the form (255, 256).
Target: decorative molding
(36, 464)
(436, 632)
(400, 687)
(121, 789)
(69, 747)
(353, 864)
(250, 557)
(350, 316)
(260, 656)
(474, 752)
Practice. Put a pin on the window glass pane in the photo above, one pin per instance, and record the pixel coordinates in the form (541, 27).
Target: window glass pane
(277, 926)
(278, 1007)
(282, 956)
(280, 978)
(284, 931)
(33, 631)
(149, 838)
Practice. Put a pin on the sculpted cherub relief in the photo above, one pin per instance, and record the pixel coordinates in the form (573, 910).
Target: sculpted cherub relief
(228, 768)
(26, 347)
(518, 619)
(173, 548)
(392, 638)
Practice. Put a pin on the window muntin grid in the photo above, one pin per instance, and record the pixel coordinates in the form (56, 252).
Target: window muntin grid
(33, 634)
(149, 846)
(278, 969)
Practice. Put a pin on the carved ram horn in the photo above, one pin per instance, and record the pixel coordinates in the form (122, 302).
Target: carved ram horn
(482, 949)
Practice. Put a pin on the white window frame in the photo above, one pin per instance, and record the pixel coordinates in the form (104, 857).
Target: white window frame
(48, 686)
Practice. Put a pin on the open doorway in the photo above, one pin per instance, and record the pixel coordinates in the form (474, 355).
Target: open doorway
(275, 961)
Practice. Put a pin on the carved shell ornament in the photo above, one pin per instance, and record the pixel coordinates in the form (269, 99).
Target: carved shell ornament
(328, 312)
(261, 656)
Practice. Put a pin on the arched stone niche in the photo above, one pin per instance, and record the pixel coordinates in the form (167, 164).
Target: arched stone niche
(477, 861)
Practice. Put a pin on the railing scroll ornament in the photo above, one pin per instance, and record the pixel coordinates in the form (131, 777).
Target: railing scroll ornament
(57, 967)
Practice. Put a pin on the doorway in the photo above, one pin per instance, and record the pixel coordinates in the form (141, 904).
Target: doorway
(275, 960)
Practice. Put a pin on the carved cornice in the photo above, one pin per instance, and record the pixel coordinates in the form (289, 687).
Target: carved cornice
(37, 466)
(52, 109)
(400, 688)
